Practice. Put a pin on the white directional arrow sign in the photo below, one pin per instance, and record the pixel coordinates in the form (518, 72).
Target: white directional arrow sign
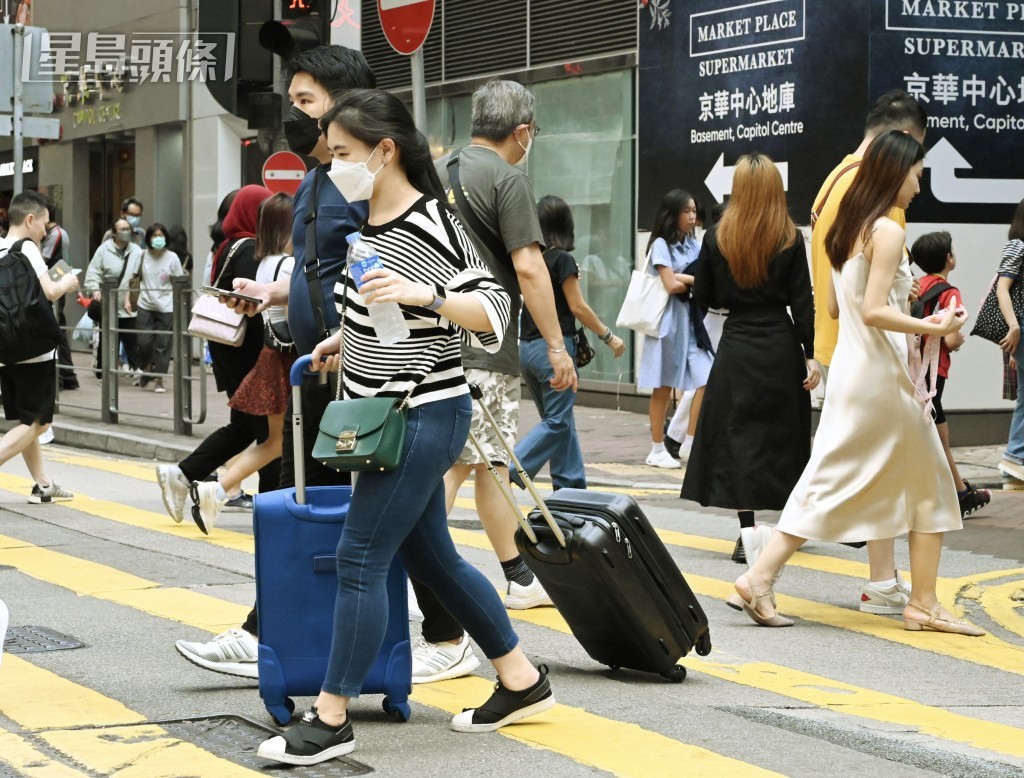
(719, 180)
(944, 160)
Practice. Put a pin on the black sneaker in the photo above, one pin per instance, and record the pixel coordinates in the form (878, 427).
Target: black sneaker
(243, 502)
(506, 707)
(309, 742)
(973, 499)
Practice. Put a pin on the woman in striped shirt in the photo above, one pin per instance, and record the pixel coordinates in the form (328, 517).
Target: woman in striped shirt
(447, 296)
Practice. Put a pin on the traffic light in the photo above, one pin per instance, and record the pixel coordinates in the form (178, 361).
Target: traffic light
(304, 25)
(243, 67)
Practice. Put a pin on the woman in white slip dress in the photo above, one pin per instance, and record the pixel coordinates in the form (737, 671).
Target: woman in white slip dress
(877, 468)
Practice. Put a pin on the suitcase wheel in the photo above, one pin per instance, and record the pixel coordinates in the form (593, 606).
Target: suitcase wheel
(704, 645)
(282, 714)
(399, 711)
(677, 674)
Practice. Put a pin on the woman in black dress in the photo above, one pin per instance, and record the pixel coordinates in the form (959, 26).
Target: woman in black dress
(754, 433)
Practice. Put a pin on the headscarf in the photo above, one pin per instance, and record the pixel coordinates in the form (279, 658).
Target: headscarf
(241, 220)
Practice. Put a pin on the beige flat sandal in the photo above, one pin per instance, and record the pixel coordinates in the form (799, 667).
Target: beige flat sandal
(937, 623)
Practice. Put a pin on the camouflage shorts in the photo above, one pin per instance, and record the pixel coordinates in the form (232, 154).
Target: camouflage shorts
(501, 394)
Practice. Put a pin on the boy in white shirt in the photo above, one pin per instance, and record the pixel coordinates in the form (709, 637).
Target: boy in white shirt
(28, 386)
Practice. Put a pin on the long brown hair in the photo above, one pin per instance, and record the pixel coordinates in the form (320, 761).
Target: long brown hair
(274, 225)
(873, 192)
(1017, 225)
(756, 225)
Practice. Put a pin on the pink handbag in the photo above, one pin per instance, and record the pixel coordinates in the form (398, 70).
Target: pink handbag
(213, 320)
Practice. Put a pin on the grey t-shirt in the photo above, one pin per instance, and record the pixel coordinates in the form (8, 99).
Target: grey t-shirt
(502, 197)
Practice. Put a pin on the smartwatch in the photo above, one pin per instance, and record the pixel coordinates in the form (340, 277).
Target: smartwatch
(439, 297)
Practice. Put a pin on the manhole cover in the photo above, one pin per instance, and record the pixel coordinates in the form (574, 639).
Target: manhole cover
(34, 640)
(237, 738)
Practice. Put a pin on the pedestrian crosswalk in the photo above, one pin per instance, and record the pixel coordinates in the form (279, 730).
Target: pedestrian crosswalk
(621, 738)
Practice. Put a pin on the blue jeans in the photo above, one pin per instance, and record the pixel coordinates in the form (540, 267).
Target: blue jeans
(1015, 446)
(403, 512)
(555, 438)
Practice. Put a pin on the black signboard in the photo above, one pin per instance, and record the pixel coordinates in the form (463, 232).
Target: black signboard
(964, 62)
(795, 78)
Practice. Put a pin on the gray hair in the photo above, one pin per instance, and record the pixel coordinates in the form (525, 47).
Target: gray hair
(499, 107)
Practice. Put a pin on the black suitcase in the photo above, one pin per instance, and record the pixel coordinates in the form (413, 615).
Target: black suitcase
(611, 578)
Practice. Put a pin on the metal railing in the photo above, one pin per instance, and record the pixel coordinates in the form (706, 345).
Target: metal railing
(183, 373)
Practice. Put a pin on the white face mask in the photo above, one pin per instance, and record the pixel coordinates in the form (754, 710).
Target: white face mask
(354, 179)
(526, 148)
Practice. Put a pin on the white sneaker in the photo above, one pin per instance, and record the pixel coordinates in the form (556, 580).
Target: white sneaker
(663, 459)
(207, 505)
(520, 598)
(173, 489)
(441, 661)
(415, 614)
(889, 601)
(233, 653)
(46, 437)
(754, 541)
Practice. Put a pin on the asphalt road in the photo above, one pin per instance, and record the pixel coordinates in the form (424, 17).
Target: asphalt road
(841, 693)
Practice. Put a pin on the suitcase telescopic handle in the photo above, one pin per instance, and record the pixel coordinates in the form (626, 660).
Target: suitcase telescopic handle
(299, 371)
(477, 395)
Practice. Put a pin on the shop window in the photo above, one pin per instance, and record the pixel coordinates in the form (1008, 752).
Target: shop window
(584, 154)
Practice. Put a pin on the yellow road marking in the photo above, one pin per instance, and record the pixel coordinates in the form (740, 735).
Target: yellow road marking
(587, 738)
(616, 747)
(836, 695)
(107, 583)
(989, 651)
(948, 588)
(866, 703)
(816, 690)
(1004, 611)
(38, 699)
(126, 468)
(136, 517)
(29, 761)
(145, 751)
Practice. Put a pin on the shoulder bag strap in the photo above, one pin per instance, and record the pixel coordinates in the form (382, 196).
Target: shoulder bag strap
(311, 266)
(489, 239)
(227, 259)
(821, 204)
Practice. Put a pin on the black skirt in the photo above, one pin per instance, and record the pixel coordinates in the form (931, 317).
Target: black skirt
(753, 436)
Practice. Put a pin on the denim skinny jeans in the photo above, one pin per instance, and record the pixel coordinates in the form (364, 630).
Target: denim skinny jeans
(1015, 445)
(403, 512)
(554, 439)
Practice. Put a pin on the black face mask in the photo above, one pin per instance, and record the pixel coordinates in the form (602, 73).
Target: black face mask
(301, 131)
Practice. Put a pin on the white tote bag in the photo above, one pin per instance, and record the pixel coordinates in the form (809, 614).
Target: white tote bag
(645, 302)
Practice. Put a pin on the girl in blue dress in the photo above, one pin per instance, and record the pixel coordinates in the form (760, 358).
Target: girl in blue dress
(681, 355)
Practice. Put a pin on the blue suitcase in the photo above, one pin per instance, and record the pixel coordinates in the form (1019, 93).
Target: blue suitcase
(296, 534)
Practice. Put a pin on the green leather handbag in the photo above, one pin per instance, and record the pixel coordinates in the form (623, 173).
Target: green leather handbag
(361, 434)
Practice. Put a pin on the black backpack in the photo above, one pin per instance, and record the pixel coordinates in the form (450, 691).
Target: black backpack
(924, 306)
(28, 327)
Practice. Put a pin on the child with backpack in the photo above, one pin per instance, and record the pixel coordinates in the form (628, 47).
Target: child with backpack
(933, 253)
(29, 335)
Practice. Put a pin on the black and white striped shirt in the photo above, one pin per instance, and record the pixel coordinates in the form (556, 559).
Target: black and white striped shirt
(427, 245)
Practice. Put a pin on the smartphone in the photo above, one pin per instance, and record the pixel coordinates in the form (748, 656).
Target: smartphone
(61, 269)
(215, 292)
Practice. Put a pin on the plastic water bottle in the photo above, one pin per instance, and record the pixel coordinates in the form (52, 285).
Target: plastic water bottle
(387, 319)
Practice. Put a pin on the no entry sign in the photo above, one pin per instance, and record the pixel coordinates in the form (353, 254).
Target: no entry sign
(406, 23)
(283, 172)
